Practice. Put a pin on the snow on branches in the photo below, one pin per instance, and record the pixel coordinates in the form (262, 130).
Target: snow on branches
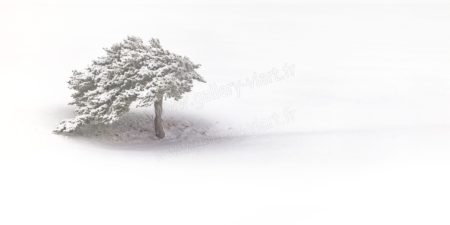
(131, 71)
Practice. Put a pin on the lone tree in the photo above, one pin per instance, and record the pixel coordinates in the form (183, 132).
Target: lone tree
(131, 71)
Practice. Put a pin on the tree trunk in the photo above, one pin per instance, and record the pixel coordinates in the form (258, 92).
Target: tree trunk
(159, 130)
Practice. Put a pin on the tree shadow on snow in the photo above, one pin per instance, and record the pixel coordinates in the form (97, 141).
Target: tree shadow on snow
(135, 131)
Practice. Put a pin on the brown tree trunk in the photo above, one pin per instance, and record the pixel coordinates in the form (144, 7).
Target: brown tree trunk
(159, 130)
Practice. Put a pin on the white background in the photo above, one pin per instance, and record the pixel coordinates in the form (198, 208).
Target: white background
(359, 133)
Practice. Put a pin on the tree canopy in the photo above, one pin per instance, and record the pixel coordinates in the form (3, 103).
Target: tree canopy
(131, 71)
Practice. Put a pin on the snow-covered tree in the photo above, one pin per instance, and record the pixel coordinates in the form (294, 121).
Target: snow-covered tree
(131, 71)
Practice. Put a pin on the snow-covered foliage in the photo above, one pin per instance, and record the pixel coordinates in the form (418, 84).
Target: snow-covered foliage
(131, 71)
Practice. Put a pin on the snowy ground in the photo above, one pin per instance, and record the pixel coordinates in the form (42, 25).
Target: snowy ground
(314, 113)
